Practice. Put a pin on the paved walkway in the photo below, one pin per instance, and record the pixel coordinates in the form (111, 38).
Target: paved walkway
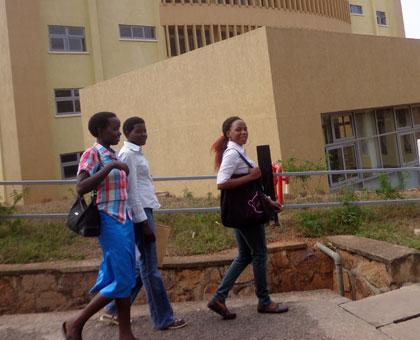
(313, 315)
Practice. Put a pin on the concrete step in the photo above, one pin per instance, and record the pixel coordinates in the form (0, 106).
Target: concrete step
(392, 307)
(312, 315)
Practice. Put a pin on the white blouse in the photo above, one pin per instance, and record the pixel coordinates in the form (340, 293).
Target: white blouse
(141, 191)
(232, 163)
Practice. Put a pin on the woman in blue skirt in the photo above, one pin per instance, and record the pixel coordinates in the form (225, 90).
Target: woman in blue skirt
(99, 169)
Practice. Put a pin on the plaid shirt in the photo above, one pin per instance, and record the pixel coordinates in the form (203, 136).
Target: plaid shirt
(112, 191)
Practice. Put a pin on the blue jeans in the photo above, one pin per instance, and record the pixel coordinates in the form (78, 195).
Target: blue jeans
(147, 274)
(252, 247)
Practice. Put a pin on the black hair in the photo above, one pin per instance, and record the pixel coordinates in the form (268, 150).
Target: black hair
(99, 121)
(130, 123)
(220, 145)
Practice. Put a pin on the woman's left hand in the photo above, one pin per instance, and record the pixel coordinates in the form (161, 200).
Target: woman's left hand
(275, 205)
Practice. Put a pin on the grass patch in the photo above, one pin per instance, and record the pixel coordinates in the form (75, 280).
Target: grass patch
(26, 241)
(193, 234)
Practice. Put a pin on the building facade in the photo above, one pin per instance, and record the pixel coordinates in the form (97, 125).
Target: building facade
(53, 48)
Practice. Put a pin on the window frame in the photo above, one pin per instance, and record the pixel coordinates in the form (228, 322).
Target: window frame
(72, 163)
(66, 37)
(132, 37)
(358, 140)
(73, 98)
(356, 6)
(379, 19)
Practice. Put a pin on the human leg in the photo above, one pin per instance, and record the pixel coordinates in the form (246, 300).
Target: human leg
(236, 268)
(256, 241)
(159, 305)
(124, 325)
(73, 328)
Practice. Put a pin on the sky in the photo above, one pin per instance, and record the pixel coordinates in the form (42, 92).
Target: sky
(411, 13)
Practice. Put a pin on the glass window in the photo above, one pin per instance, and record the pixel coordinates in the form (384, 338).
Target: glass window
(408, 150)
(336, 162)
(416, 114)
(385, 120)
(381, 18)
(369, 155)
(67, 39)
(69, 164)
(343, 127)
(356, 9)
(326, 128)
(365, 124)
(403, 117)
(67, 101)
(349, 155)
(137, 32)
(389, 151)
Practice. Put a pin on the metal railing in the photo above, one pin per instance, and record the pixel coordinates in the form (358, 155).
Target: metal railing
(216, 209)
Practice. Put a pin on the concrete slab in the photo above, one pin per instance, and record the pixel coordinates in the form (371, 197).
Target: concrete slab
(372, 249)
(407, 330)
(312, 315)
(384, 309)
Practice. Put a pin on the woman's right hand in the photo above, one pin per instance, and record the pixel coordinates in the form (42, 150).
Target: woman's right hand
(120, 166)
(254, 173)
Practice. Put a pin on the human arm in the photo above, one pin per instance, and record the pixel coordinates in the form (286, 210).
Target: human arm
(230, 162)
(134, 202)
(88, 179)
(232, 183)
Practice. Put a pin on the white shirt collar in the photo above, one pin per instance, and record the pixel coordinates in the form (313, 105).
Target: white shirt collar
(236, 146)
(132, 146)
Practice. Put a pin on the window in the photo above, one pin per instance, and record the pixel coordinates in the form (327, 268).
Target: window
(67, 101)
(356, 9)
(67, 39)
(342, 126)
(381, 18)
(136, 32)
(371, 138)
(69, 164)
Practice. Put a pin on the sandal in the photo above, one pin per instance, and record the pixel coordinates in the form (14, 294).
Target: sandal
(110, 319)
(221, 309)
(176, 324)
(273, 308)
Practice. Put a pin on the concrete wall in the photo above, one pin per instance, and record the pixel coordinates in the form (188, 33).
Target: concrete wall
(279, 80)
(366, 23)
(33, 131)
(317, 72)
(184, 101)
(9, 145)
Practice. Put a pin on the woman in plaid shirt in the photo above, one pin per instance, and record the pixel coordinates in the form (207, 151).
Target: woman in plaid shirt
(99, 169)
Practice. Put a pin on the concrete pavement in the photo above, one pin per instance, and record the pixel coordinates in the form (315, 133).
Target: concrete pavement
(312, 315)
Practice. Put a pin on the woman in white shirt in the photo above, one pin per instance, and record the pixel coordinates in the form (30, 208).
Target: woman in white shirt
(142, 201)
(252, 247)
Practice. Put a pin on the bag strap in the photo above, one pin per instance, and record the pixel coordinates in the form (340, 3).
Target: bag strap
(243, 158)
(251, 166)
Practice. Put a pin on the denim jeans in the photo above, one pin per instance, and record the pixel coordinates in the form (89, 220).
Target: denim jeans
(252, 247)
(147, 274)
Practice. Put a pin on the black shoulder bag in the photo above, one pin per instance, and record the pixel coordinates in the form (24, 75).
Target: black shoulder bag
(84, 219)
(245, 205)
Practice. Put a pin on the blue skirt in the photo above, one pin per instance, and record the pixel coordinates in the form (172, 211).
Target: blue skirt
(116, 276)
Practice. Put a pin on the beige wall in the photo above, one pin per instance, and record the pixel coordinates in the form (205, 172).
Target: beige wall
(29, 86)
(332, 72)
(9, 145)
(185, 102)
(281, 95)
(366, 23)
(32, 135)
(214, 14)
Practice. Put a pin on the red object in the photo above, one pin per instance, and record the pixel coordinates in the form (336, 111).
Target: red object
(278, 182)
